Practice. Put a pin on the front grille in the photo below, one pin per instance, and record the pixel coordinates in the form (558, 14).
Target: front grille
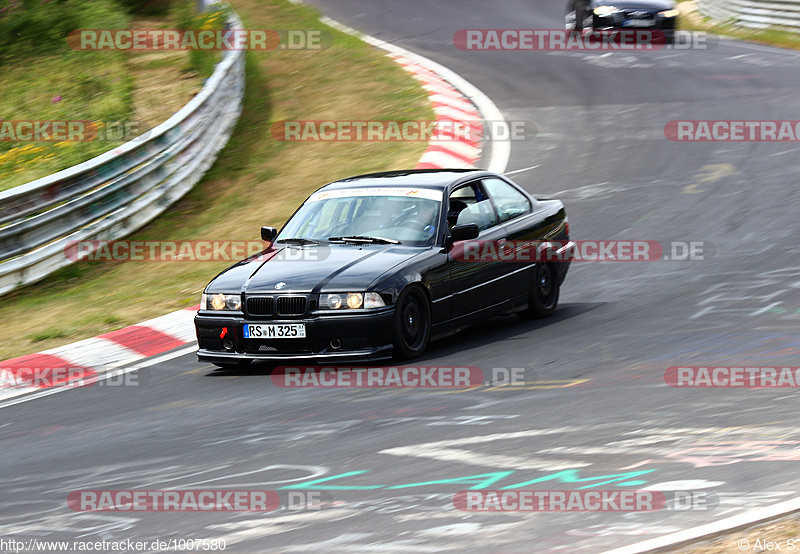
(291, 305)
(265, 306)
(260, 306)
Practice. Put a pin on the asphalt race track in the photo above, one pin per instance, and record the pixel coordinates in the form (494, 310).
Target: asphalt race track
(595, 412)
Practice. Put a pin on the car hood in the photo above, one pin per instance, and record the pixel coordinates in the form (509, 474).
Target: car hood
(637, 4)
(313, 269)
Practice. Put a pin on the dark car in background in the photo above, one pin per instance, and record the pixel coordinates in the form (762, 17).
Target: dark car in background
(374, 266)
(660, 15)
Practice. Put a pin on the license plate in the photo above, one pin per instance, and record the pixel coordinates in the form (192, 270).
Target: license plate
(275, 331)
(638, 23)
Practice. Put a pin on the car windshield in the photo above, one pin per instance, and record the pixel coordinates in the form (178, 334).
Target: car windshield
(409, 216)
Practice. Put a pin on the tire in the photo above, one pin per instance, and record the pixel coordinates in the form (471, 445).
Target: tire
(412, 323)
(544, 293)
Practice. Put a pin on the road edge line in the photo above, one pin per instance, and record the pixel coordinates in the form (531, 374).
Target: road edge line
(710, 530)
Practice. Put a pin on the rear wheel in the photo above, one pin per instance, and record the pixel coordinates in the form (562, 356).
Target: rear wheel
(544, 292)
(412, 323)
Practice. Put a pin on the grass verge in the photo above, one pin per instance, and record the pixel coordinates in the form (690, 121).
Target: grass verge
(256, 181)
(693, 20)
(102, 87)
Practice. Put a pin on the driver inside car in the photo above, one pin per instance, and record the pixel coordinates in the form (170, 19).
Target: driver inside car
(427, 213)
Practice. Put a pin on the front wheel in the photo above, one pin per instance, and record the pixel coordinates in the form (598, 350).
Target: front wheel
(412, 324)
(544, 292)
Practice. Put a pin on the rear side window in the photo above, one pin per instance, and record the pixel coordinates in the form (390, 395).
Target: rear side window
(509, 201)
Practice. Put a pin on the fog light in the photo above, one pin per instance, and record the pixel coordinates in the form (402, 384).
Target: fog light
(227, 344)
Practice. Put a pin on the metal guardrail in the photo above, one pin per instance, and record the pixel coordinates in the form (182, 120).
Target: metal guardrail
(755, 14)
(114, 194)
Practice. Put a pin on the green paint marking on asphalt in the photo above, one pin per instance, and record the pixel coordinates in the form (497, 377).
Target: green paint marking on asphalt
(776, 310)
(483, 481)
(571, 476)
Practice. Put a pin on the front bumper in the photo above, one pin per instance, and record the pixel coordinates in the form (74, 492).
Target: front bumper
(362, 336)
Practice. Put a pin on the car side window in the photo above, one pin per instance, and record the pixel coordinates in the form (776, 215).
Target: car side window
(469, 204)
(509, 201)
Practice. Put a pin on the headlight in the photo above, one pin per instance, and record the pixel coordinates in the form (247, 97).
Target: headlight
(219, 302)
(355, 300)
(350, 300)
(669, 13)
(604, 11)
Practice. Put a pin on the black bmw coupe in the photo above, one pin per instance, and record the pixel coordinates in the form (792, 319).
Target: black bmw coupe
(661, 15)
(373, 266)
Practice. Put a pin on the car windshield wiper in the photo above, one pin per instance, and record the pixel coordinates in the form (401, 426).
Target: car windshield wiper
(299, 241)
(365, 240)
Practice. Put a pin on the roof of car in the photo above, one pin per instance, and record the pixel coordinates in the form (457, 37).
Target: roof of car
(424, 178)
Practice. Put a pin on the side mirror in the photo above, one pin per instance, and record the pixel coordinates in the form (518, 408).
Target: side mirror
(268, 233)
(464, 232)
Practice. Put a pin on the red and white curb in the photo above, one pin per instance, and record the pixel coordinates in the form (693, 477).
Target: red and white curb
(454, 99)
(59, 367)
(449, 105)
